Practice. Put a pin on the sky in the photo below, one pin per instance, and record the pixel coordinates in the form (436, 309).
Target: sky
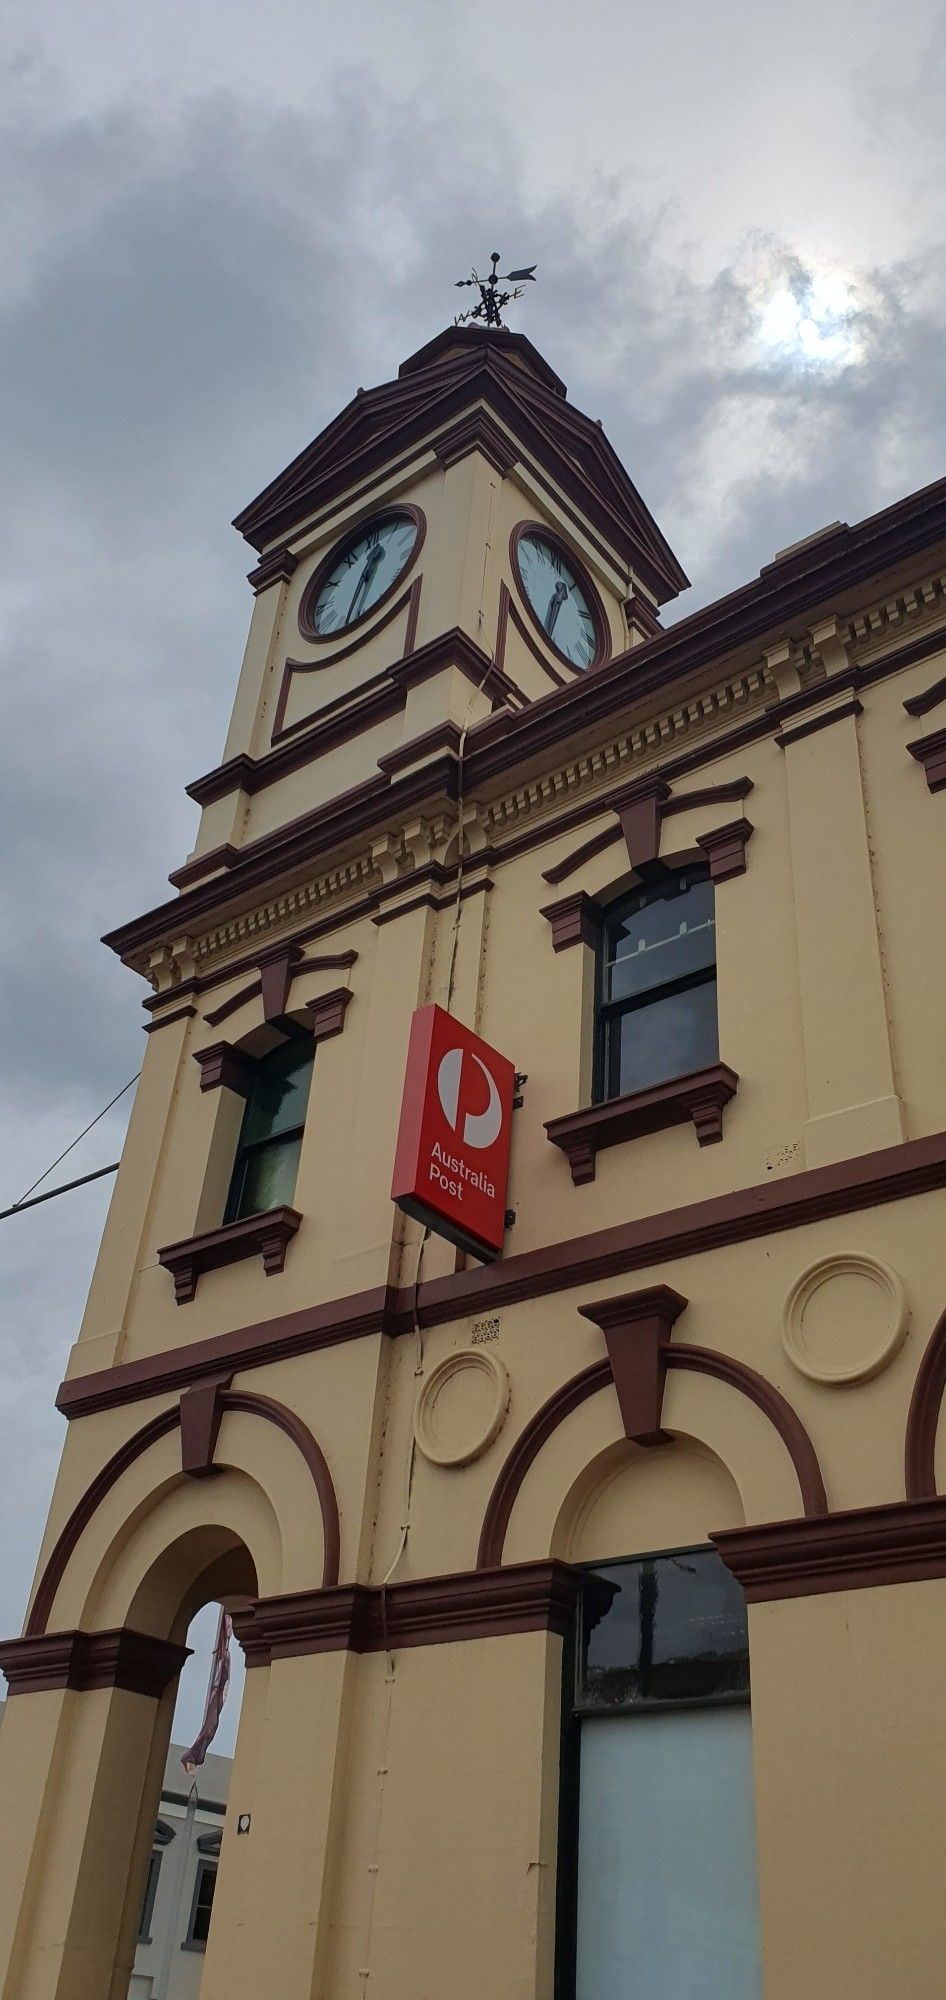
(219, 222)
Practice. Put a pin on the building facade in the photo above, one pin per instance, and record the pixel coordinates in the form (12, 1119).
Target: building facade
(181, 1880)
(506, 1541)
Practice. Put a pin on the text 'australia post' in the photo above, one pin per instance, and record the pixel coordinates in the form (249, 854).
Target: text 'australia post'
(452, 1160)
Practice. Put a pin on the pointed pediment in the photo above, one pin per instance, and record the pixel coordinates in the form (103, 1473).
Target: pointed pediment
(465, 369)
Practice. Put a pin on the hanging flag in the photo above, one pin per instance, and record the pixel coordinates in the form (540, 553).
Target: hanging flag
(217, 1687)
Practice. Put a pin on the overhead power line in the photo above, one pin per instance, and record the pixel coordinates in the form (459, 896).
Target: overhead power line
(25, 1202)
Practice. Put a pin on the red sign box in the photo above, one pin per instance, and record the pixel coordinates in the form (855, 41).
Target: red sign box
(452, 1157)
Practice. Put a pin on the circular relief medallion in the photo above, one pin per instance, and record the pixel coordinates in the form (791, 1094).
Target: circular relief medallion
(461, 1407)
(844, 1319)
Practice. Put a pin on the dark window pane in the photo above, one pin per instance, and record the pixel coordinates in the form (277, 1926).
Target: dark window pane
(675, 1631)
(203, 1904)
(665, 933)
(665, 1037)
(269, 1176)
(147, 1906)
(280, 1094)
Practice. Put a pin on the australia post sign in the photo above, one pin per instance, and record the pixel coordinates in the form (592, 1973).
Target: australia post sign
(452, 1154)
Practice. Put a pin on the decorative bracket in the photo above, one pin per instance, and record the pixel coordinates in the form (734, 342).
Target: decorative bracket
(276, 968)
(930, 751)
(725, 848)
(327, 1013)
(701, 1096)
(637, 1329)
(573, 920)
(267, 1235)
(639, 809)
(201, 1415)
(223, 1067)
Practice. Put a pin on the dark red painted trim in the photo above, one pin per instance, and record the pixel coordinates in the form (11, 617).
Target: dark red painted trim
(859, 1549)
(277, 567)
(824, 720)
(399, 510)
(150, 1433)
(573, 920)
(725, 849)
(83, 1661)
(637, 1327)
(923, 1417)
(640, 807)
(569, 554)
(223, 1067)
(701, 1097)
(700, 1361)
(267, 1235)
(920, 704)
(494, 748)
(846, 1187)
(477, 432)
(930, 751)
(427, 1611)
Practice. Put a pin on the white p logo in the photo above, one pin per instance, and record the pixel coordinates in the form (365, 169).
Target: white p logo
(480, 1128)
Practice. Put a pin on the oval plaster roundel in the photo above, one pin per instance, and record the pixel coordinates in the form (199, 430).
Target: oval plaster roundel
(844, 1319)
(461, 1408)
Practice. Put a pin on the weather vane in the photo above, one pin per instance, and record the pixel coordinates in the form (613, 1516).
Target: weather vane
(492, 301)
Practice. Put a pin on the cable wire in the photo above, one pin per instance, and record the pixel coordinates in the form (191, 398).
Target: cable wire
(75, 1142)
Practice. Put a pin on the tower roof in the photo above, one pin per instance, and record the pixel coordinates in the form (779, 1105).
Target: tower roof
(464, 369)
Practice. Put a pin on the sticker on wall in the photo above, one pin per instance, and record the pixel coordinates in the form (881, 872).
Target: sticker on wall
(461, 1407)
(844, 1319)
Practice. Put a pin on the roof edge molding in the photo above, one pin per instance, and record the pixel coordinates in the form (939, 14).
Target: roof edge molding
(462, 368)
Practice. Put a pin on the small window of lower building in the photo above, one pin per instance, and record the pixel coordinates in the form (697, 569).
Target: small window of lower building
(147, 1903)
(659, 1864)
(267, 1157)
(198, 1930)
(657, 984)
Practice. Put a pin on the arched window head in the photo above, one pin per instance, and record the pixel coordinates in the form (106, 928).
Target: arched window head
(657, 984)
(267, 1157)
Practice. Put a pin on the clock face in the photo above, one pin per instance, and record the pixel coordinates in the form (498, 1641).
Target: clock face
(364, 570)
(560, 601)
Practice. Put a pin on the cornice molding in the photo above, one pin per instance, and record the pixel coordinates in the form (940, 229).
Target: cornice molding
(847, 1187)
(276, 567)
(477, 432)
(427, 1611)
(375, 804)
(84, 1661)
(862, 1548)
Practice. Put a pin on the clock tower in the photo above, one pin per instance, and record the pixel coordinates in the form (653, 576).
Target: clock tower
(502, 1486)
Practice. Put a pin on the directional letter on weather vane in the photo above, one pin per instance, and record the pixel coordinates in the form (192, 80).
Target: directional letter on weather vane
(492, 302)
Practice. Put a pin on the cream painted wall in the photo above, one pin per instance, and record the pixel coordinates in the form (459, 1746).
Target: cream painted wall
(404, 1807)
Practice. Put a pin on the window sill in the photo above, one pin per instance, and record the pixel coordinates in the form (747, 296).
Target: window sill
(267, 1235)
(701, 1097)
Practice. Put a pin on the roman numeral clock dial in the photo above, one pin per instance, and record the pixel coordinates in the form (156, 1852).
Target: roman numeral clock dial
(561, 599)
(362, 571)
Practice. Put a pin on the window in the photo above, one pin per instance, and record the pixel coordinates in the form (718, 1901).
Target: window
(657, 985)
(659, 1873)
(264, 1173)
(147, 1904)
(198, 1929)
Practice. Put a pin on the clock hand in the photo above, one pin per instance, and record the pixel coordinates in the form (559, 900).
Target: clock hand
(375, 556)
(556, 601)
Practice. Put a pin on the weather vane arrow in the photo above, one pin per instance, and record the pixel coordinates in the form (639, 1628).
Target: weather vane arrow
(492, 300)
